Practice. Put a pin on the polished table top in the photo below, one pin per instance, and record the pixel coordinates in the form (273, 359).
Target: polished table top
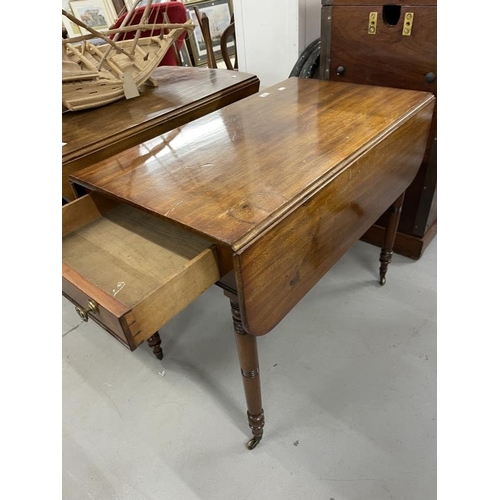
(284, 182)
(182, 94)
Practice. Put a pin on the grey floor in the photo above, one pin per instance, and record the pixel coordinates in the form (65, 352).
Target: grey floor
(349, 388)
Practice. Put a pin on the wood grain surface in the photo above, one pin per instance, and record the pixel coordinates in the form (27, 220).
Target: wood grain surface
(182, 94)
(388, 56)
(288, 179)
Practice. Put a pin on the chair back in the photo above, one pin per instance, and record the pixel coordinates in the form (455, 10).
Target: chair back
(227, 35)
(176, 13)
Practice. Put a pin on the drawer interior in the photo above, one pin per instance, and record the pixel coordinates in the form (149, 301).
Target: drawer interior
(129, 253)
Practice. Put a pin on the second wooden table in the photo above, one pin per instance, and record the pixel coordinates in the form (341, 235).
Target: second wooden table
(182, 95)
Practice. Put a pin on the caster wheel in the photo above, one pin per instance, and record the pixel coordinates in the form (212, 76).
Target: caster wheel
(253, 442)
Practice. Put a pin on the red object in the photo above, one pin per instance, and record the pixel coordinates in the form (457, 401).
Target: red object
(176, 12)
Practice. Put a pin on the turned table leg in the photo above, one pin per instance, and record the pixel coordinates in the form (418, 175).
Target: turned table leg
(154, 342)
(249, 364)
(390, 237)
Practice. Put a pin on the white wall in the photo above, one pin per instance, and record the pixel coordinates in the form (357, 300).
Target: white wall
(309, 22)
(269, 46)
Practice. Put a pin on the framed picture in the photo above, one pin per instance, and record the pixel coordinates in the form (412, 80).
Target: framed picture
(72, 28)
(219, 14)
(98, 14)
(130, 3)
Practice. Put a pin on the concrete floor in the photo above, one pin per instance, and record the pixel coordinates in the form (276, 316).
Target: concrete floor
(349, 390)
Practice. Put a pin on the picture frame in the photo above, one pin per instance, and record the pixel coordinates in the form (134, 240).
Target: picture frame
(72, 28)
(219, 13)
(130, 3)
(98, 14)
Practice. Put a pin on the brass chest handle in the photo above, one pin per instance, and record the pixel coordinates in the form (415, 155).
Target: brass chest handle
(84, 313)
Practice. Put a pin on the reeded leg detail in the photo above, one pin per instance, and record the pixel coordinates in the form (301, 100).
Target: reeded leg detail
(154, 342)
(390, 237)
(249, 364)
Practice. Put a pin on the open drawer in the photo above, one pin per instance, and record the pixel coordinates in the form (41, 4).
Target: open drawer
(128, 270)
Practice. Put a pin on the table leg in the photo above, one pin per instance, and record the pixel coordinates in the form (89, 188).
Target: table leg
(390, 236)
(249, 364)
(154, 342)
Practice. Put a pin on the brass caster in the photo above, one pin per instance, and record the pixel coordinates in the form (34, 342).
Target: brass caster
(253, 442)
(382, 280)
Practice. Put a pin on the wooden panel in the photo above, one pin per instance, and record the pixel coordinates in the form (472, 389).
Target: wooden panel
(79, 290)
(176, 294)
(405, 244)
(426, 213)
(387, 58)
(326, 42)
(379, 2)
(82, 212)
(416, 208)
(276, 271)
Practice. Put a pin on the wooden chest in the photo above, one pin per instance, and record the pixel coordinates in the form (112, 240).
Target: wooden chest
(390, 44)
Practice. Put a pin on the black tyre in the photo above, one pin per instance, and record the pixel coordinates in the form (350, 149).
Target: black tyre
(307, 65)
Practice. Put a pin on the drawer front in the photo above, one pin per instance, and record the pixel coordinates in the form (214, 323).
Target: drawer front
(160, 268)
(109, 313)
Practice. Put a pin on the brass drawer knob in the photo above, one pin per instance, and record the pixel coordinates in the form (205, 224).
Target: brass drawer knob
(84, 313)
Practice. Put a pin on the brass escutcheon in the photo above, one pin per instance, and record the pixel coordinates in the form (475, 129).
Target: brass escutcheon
(84, 313)
(408, 24)
(372, 23)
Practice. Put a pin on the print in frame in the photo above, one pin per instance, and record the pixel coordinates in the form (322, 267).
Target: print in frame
(219, 15)
(98, 14)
